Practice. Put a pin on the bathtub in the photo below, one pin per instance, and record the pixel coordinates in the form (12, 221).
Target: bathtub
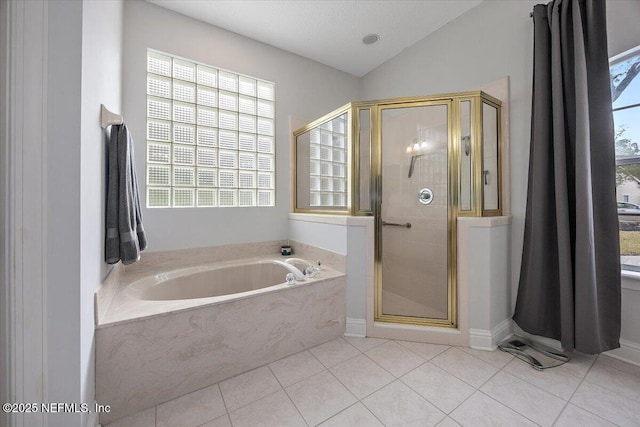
(212, 281)
(173, 332)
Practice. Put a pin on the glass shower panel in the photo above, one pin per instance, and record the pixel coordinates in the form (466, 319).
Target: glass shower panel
(465, 156)
(322, 166)
(364, 165)
(490, 181)
(414, 211)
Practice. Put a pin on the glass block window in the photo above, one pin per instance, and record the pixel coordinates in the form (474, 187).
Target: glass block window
(328, 163)
(210, 136)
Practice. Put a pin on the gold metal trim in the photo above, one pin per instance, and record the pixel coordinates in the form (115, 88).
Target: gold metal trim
(452, 101)
(452, 160)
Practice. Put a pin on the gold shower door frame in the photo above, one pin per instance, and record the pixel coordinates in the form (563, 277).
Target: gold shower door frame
(453, 115)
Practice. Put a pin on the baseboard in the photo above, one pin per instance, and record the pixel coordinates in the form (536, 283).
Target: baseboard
(482, 339)
(356, 327)
(629, 352)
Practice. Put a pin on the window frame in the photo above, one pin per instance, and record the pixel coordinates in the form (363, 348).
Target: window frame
(616, 59)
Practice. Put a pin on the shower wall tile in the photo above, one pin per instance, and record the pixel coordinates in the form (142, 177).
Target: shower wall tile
(143, 363)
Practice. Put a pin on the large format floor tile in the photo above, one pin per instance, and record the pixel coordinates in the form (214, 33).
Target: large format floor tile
(223, 421)
(294, 368)
(192, 409)
(398, 405)
(146, 418)
(532, 402)
(273, 410)
(395, 358)
(482, 411)
(354, 416)
(618, 409)
(362, 376)
(365, 344)
(497, 358)
(320, 397)
(374, 382)
(558, 381)
(625, 384)
(248, 387)
(466, 367)
(439, 387)
(572, 416)
(334, 352)
(424, 350)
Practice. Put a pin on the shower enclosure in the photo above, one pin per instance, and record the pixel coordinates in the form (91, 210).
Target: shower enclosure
(415, 164)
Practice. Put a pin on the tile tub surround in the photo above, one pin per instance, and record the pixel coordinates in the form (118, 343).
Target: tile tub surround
(149, 352)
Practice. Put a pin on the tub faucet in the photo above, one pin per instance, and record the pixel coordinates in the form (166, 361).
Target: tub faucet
(299, 260)
(299, 275)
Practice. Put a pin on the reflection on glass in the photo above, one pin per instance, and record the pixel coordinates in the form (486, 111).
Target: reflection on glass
(414, 260)
(465, 155)
(365, 160)
(490, 179)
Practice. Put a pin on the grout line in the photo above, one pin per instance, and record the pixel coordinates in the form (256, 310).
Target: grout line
(375, 346)
(576, 390)
(382, 367)
(399, 342)
(223, 401)
(287, 394)
(296, 406)
(508, 407)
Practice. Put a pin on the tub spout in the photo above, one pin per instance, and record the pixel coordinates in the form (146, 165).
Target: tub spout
(292, 261)
(292, 268)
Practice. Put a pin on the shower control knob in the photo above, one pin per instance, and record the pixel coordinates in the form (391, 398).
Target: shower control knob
(425, 196)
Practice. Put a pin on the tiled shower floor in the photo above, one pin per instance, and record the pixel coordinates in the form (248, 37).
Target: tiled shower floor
(371, 382)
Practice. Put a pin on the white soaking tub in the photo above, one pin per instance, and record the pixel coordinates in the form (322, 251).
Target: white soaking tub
(174, 332)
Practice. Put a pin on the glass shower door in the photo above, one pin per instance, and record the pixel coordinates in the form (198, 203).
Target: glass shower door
(413, 220)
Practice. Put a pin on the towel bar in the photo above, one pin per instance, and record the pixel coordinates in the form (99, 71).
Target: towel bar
(107, 118)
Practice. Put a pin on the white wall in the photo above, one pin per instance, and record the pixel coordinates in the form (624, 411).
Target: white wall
(303, 88)
(101, 84)
(63, 232)
(492, 40)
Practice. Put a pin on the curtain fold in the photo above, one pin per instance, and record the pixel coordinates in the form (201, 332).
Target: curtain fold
(569, 286)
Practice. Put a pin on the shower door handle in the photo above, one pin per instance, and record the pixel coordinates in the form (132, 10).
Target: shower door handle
(395, 224)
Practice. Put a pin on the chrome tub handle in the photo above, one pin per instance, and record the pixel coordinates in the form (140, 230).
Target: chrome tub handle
(395, 224)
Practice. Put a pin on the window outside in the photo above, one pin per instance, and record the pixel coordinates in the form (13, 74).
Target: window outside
(625, 91)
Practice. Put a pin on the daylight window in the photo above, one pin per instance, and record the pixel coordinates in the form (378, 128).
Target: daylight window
(210, 136)
(625, 91)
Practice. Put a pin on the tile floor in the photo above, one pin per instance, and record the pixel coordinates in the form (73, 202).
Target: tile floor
(373, 382)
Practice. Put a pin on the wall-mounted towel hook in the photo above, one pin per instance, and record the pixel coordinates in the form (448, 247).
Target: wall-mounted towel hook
(107, 118)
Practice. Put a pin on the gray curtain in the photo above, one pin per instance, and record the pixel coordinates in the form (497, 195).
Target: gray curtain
(570, 275)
